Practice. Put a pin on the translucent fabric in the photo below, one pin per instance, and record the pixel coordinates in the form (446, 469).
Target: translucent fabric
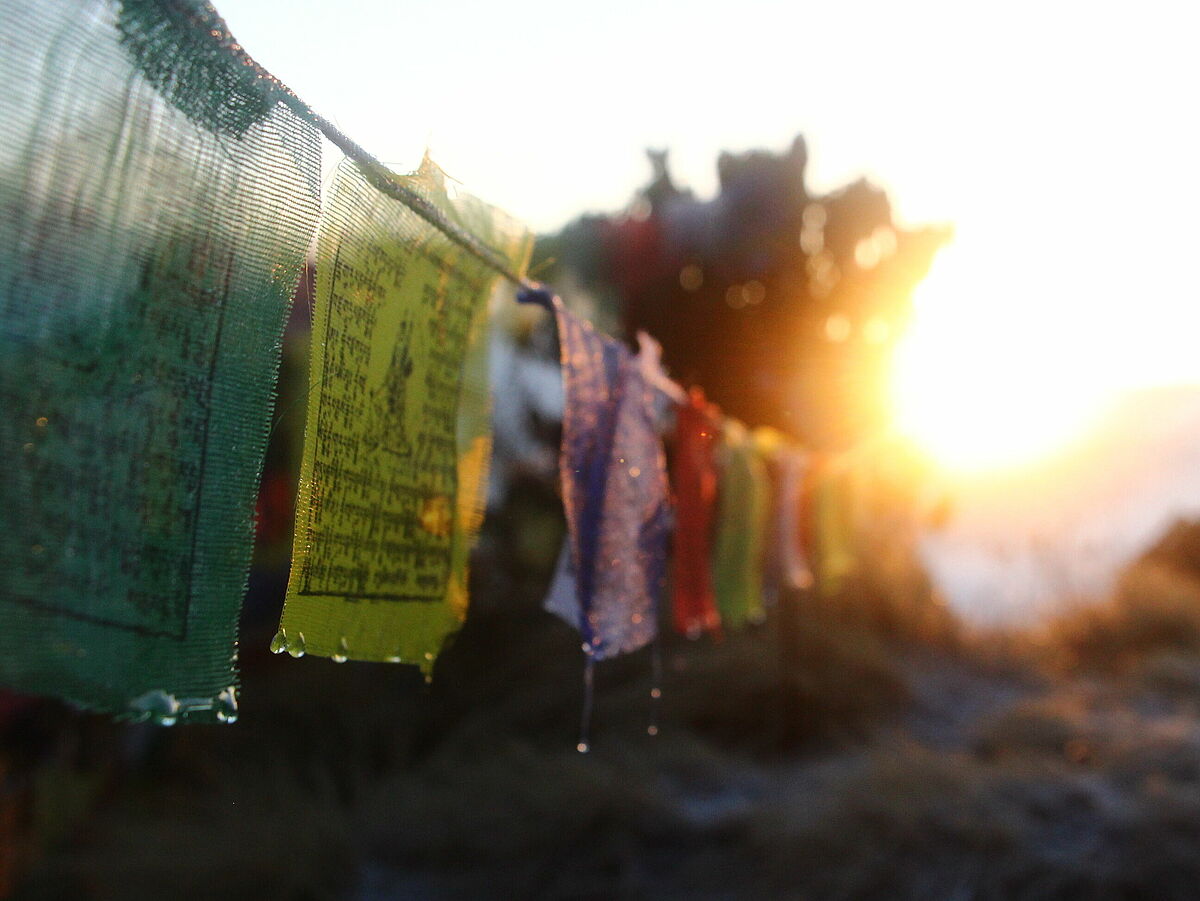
(833, 487)
(610, 581)
(694, 480)
(397, 437)
(155, 207)
(785, 564)
(743, 506)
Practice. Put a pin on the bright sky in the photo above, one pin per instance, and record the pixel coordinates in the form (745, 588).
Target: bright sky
(1059, 137)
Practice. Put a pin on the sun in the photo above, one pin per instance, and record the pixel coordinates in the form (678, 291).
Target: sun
(984, 380)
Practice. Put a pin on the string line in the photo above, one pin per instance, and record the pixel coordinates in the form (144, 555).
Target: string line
(204, 17)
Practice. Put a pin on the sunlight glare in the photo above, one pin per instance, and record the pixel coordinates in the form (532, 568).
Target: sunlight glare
(983, 382)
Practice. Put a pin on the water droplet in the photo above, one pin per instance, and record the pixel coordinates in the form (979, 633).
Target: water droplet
(42, 422)
(227, 705)
(656, 693)
(587, 648)
(652, 730)
(343, 651)
(428, 679)
(395, 658)
(279, 642)
(157, 706)
(582, 747)
(296, 646)
(428, 655)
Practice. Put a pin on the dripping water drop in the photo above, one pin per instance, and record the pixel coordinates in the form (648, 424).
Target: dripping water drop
(227, 706)
(158, 707)
(342, 654)
(296, 646)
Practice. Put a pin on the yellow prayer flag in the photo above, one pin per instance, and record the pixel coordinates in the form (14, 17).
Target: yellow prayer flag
(397, 436)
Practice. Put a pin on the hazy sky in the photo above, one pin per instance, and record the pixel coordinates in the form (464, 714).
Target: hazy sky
(543, 107)
(1060, 138)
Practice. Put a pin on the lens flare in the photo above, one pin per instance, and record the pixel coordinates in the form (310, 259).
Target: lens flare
(985, 383)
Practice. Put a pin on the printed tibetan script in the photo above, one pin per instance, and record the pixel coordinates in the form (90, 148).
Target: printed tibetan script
(396, 440)
(147, 263)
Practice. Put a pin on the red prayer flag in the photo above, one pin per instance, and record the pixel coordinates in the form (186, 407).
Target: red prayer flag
(693, 602)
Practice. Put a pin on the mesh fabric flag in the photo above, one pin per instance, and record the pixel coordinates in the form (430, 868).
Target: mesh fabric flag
(694, 479)
(793, 516)
(155, 205)
(785, 565)
(833, 500)
(397, 440)
(742, 509)
(611, 575)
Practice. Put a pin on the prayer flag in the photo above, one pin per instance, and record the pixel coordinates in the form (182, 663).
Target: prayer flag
(785, 564)
(694, 479)
(155, 206)
(832, 499)
(397, 439)
(742, 509)
(614, 492)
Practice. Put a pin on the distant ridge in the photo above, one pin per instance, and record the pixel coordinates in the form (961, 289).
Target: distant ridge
(1024, 544)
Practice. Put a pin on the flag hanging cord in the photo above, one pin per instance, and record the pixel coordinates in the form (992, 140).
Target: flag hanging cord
(204, 18)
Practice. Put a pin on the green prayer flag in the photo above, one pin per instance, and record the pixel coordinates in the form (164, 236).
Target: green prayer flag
(743, 504)
(155, 207)
(397, 439)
